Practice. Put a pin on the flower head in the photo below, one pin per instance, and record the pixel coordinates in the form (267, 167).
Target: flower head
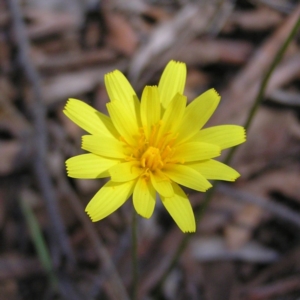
(151, 146)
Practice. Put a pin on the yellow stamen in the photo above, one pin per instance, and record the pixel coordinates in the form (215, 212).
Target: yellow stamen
(152, 154)
(152, 159)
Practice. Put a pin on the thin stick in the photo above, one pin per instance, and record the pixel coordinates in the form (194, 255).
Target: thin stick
(134, 256)
(37, 110)
(208, 196)
(264, 83)
(279, 210)
(115, 287)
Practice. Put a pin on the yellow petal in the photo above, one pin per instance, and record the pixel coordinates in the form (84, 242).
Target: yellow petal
(88, 118)
(224, 136)
(213, 169)
(110, 197)
(104, 146)
(124, 121)
(88, 166)
(161, 183)
(104, 174)
(197, 114)
(125, 171)
(150, 108)
(194, 151)
(144, 198)
(180, 209)
(187, 176)
(172, 117)
(118, 87)
(172, 81)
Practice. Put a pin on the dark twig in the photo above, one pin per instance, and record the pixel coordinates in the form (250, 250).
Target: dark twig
(107, 280)
(274, 289)
(256, 104)
(109, 275)
(38, 115)
(276, 209)
(264, 83)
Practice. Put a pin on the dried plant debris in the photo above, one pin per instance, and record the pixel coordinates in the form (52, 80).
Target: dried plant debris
(246, 245)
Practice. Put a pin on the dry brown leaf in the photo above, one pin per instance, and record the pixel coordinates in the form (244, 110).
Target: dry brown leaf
(284, 181)
(9, 152)
(270, 132)
(209, 51)
(71, 84)
(238, 97)
(214, 248)
(240, 230)
(256, 20)
(220, 212)
(76, 60)
(166, 36)
(45, 23)
(120, 34)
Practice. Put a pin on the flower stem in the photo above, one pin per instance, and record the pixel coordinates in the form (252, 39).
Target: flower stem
(39, 243)
(264, 83)
(208, 196)
(134, 256)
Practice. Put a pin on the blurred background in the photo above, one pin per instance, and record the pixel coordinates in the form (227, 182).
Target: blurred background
(247, 245)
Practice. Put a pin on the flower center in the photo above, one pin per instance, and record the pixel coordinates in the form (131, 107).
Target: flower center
(152, 152)
(151, 159)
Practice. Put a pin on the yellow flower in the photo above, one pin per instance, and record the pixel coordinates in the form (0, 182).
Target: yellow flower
(151, 146)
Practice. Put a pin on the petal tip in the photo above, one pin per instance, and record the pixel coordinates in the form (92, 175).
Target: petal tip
(245, 134)
(208, 187)
(111, 73)
(146, 216)
(236, 176)
(214, 91)
(92, 218)
(189, 230)
(190, 227)
(90, 215)
(176, 62)
(72, 101)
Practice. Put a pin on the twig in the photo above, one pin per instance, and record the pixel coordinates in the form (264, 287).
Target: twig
(285, 98)
(277, 288)
(208, 196)
(264, 83)
(58, 234)
(108, 277)
(284, 7)
(278, 210)
(115, 287)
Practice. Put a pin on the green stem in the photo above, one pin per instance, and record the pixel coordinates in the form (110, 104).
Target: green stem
(208, 196)
(39, 243)
(264, 83)
(134, 256)
(181, 247)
